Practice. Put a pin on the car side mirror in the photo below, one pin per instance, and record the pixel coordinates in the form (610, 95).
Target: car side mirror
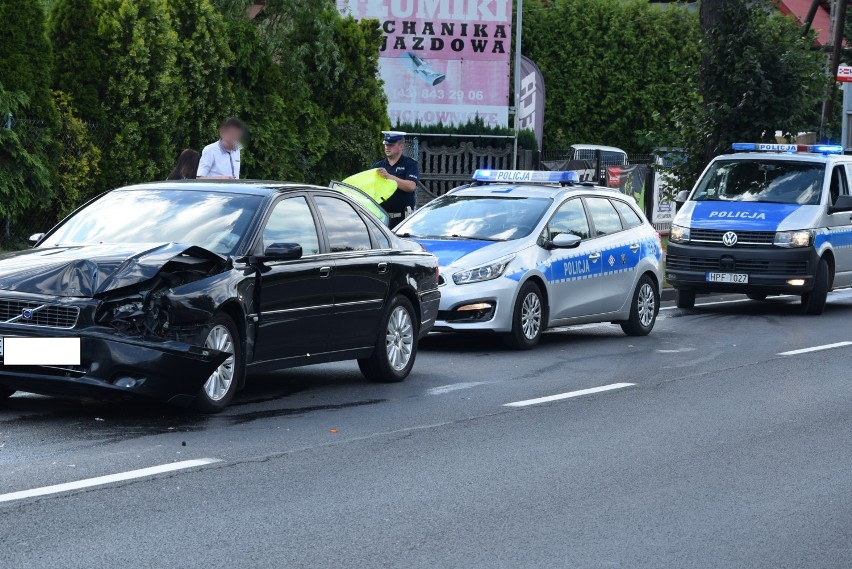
(681, 198)
(280, 252)
(842, 203)
(35, 238)
(565, 241)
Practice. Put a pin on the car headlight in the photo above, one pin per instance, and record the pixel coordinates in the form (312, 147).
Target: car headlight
(679, 234)
(800, 238)
(483, 273)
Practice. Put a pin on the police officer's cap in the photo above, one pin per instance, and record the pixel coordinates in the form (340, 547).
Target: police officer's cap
(391, 136)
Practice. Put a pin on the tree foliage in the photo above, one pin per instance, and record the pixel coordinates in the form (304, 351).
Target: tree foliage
(758, 76)
(203, 60)
(609, 65)
(79, 162)
(144, 95)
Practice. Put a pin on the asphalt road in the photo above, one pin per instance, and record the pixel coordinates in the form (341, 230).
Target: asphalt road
(722, 453)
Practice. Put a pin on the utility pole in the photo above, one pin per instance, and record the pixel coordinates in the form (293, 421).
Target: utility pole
(838, 25)
(518, 35)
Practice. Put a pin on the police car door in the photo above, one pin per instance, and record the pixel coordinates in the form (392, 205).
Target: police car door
(617, 259)
(572, 273)
(840, 224)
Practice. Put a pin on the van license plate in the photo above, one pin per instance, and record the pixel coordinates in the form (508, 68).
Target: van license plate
(727, 278)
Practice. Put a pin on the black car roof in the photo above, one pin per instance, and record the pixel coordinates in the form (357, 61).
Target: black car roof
(250, 187)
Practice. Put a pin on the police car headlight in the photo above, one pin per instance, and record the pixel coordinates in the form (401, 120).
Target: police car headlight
(800, 238)
(679, 234)
(483, 273)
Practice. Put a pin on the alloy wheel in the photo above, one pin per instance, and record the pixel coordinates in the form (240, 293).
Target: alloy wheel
(219, 382)
(531, 316)
(399, 338)
(646, 304)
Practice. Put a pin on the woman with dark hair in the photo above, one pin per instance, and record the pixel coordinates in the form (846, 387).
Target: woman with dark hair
(186, 166)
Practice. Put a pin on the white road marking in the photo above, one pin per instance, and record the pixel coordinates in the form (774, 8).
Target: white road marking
(569, 395)
(710, 303)
(454, 387)
(109, 479)
(678, 351)
(815, 349)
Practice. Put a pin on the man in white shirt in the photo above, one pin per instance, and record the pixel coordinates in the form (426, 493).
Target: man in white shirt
(221, 160)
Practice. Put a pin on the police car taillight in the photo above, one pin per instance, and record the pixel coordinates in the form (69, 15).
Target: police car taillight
(527, 176)
(787, 148)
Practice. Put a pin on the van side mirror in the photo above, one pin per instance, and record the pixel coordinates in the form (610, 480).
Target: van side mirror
(565, 241)
(35, 238)
(842, 203)
(681, 198)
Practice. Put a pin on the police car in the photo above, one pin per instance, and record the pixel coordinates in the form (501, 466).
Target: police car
(521, 251)
(768, 219)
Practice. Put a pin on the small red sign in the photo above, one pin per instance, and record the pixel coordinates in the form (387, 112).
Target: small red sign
(844, 74)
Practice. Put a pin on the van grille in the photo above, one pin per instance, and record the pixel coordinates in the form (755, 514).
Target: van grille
(713, 237)
(682, 263)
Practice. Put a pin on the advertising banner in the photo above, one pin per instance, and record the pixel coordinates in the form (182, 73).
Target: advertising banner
(629, 180)
(442, 61)
(531, 111)
(664, 206)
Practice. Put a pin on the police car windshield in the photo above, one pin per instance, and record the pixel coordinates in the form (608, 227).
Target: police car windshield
(215, 221)
(762, 180)
(476, 217)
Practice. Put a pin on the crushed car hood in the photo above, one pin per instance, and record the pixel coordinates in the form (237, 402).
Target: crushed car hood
(92, 270)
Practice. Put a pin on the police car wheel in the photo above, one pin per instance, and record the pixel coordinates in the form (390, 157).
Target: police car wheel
(813, 303)
(6, 392)
(685, 298)
(528, 319)
(643, 309)
(396, 346)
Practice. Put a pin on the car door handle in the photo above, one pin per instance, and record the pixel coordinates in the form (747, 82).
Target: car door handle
(325, 272)
(383, 268)
(594, 256)
(634, 247)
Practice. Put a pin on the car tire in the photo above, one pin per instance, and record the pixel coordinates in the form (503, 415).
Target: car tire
(396, 345)
(757, 297)
(813, 302)
(527, 319)
(685, 298)
(6, 392)
(644, 307)
(219, 390)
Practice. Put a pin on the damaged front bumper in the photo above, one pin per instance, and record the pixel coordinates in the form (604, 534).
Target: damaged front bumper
(116, 366)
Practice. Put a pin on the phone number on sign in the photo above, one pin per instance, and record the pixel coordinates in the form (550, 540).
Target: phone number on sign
(457, 95)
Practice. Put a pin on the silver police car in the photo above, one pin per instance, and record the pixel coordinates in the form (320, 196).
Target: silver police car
(522, 251)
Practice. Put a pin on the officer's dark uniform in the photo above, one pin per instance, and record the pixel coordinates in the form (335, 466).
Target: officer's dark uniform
(405, 169)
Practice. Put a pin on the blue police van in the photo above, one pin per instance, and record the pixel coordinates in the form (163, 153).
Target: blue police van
(768, 219)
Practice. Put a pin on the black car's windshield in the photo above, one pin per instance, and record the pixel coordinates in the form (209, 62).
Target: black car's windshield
(212, 220)
(762, 180)
(476, 217)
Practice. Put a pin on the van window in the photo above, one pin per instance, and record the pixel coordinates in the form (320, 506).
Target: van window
(764, 180)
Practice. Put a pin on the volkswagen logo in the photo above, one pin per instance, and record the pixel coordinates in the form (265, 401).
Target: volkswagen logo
(27, 313)
(729, 239)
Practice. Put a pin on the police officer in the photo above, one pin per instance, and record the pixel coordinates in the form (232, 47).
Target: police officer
(402, 170)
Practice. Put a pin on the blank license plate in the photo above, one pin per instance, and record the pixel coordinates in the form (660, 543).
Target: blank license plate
(40, 351)
(727, 278)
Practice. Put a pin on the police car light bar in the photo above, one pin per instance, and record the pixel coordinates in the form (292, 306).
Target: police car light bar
(788, 148)
(529, 176)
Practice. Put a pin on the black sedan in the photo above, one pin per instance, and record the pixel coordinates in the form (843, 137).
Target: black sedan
(175, 290)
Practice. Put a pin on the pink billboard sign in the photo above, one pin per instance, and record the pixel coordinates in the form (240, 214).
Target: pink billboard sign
(442, 61)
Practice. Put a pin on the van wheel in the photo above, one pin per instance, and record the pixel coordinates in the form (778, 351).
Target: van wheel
(396, 346)
(685, 298)
(813, 302)
(643, 309)
(527, 320)
(6, 392)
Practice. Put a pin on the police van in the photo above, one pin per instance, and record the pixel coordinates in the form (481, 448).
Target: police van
(769, 219)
